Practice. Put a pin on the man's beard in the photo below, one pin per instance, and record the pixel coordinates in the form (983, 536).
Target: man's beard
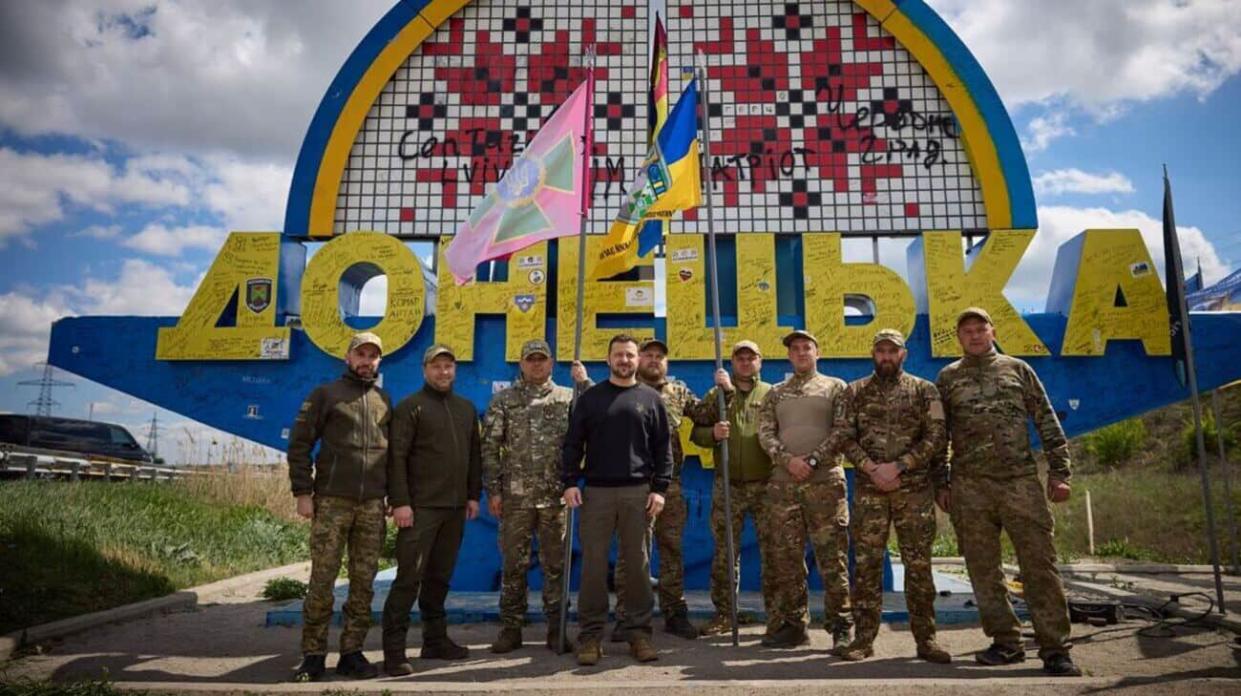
(652, 373)
(622, 371)
(887, 369)
(359, 375)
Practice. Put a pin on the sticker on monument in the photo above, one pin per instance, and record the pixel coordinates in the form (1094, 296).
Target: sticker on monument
(274, 349)
(537, 276)
(684, 255)
(258, 294)
(1139, 269)
(531, 261)
(498, 386)
(524, 302)
(639, 297)
(685, 274)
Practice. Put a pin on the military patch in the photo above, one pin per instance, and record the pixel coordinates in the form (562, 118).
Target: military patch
(937, 410)
(537, 276)
(258, 294)
(524, 302)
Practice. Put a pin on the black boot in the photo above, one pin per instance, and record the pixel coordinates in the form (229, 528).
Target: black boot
(396, 664)
(311, 669)
(354, 665)
(436, 645)
(678, 625)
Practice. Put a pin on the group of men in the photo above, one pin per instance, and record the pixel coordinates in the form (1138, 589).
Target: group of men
(612, 450)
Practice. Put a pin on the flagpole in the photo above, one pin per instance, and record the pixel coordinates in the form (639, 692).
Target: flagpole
(587, 146)
(721, 404)
(1178, 277)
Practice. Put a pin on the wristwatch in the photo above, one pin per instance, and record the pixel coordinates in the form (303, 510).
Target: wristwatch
(813, 462)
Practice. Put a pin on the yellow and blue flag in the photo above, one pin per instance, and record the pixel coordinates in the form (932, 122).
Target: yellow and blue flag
(668, 181)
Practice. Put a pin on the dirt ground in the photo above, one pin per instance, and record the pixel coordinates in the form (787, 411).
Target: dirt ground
(223, 646)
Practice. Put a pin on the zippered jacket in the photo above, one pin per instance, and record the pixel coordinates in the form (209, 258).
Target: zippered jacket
(436, 459)
(349, 420)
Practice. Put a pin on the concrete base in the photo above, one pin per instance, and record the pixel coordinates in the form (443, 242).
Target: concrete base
(955, 604)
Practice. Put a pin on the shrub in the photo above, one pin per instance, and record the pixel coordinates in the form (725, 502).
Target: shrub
(1189, 440)
(282, 588)
(1114, 445)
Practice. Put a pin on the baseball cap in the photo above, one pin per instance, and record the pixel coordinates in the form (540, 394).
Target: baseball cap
(799, 333)
(535, 346)
(437, 350)
(652, 342)
(891, 336)
(361, 339)
(978, 312)
(747, 345)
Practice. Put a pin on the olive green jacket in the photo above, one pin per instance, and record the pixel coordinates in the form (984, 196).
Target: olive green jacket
(436, 459)
(349, 419)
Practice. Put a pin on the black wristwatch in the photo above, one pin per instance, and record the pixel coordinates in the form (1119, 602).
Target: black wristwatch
(813, 462)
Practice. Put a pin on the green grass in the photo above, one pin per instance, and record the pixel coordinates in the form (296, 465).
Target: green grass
(72, 548)
(282, 588)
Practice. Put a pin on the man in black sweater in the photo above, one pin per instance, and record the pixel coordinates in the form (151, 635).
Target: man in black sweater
(622, 428)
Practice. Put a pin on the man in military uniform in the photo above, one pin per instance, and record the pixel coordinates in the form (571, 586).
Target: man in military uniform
(891, 426)
(435, 481)
(807, 497)
(669, 527)
(989, 399)
(342, 493)
(523, 432)
(749, 469)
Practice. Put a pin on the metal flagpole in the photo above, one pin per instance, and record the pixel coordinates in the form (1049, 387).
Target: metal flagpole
(1192, 374)
(587, 146)
(705, 101)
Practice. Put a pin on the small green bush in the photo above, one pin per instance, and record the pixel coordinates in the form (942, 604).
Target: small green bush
(1121, 548)
(282, 588)
(1189, 440)
(1114, 445)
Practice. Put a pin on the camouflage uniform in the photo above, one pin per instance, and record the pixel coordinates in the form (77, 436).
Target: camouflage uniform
(791, 419)
(523, 432)
(897, 419)
(669, 527)
(989, 400)
(349, 420)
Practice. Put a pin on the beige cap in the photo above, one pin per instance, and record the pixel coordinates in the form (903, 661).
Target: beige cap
(437, 350)
(799, 333)
(535, 346)
(978, 312)
(747, 345)
(891, 336)
(361, 339)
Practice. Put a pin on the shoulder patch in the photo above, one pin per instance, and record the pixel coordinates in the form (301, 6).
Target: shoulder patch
(937, 410)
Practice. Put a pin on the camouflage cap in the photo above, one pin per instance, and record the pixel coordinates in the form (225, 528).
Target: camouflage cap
(361, 339)
(437, 350)
(747, 345)
(977, 312)
(535, 346)
(799, 333)
(653, 342)
(891, 336)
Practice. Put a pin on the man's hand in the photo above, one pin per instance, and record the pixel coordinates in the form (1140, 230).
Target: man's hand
(654, 505)
(886, 476)
(471, 509)
(306, 506)
(494, 506)
(573, 497)
(578, 372)
(1058, 491)
(799, 469)
(720, 431)
(943, 498)
(403, 516)
(724, 381)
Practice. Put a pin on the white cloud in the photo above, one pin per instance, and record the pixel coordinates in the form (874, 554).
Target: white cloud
(1102, 53)
(159, 240)
(247, 195)
(1061, 181)
(1042, 130)
(99, 232)
(1028, 287)
(141, 288)
(25, 324)
(181, 75)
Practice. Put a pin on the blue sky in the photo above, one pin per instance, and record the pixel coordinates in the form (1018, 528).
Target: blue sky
(132, 139)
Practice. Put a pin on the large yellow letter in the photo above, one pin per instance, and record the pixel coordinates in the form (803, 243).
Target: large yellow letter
(246, 267)
(522, 300)
(1106, 282)
(689, 333)
(364, 255)
(937, 270)
(830, 283)
(602, 297)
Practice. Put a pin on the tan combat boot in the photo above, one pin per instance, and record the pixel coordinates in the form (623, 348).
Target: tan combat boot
(930, 651)
(642, 649)
(589, 652)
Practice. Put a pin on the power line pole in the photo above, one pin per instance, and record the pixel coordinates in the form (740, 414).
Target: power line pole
(153, 436)
(45, 403)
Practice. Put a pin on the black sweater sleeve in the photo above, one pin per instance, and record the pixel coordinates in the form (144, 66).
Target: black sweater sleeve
(574, 445)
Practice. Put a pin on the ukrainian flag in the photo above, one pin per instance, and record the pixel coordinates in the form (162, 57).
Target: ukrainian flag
(668, 181)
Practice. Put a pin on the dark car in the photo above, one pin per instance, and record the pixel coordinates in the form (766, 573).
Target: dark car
(90, 438)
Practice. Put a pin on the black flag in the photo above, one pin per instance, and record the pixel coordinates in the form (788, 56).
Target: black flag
(1174, 278)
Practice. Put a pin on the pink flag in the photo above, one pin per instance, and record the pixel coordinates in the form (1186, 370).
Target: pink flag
(540, 197)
